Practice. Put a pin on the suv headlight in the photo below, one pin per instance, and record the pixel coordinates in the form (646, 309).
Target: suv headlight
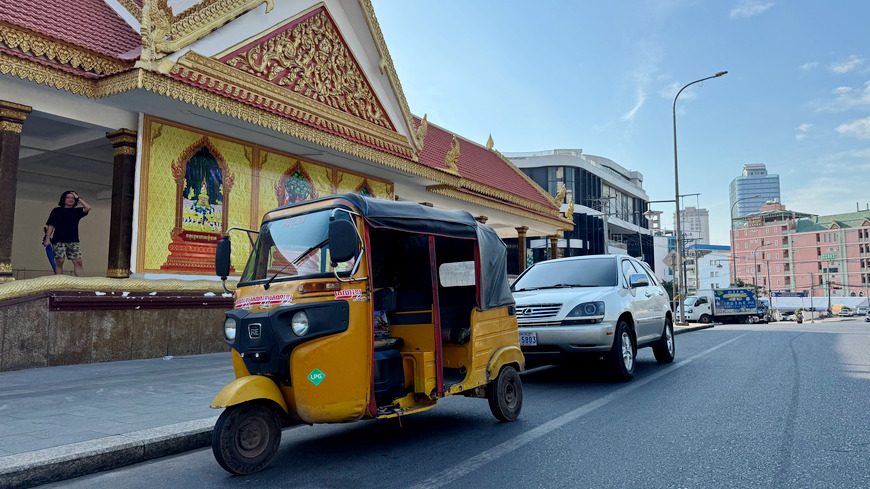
(299, 323)
(230, 329)
(587, 312)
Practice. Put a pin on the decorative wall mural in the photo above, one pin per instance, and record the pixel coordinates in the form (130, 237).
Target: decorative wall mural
(202, 208)
(195, 185)
(295, 186)
(203, 184)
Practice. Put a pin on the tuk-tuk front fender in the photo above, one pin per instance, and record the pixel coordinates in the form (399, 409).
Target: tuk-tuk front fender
(249, 388)
(504, 356)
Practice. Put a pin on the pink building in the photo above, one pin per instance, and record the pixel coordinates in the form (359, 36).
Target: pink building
(782, 250)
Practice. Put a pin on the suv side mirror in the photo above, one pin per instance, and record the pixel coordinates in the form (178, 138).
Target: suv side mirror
(343, 243)
(222, 258)
(638, 280)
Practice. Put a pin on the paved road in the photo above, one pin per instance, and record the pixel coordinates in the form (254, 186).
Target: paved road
(780, 405)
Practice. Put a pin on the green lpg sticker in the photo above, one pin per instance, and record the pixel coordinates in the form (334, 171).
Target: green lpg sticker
(316, 376)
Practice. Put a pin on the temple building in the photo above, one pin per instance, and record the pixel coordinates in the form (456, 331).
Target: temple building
(178, 119)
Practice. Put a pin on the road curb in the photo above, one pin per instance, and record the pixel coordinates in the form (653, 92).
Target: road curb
(689, 329)
(78, 459)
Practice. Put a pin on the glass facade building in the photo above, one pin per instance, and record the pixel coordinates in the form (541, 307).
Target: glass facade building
(609, 204)
(752, 189)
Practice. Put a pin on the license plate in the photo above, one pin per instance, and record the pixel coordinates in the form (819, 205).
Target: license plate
(528, 338)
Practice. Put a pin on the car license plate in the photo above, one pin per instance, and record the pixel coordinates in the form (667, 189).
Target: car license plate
(528, 338)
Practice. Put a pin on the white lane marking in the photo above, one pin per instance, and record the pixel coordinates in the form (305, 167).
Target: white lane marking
(461, 470)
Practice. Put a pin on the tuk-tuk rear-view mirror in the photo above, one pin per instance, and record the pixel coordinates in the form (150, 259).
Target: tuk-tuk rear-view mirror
(343, 240)
(222, 258)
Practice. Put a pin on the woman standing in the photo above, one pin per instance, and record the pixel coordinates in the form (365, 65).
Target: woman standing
(62, 231)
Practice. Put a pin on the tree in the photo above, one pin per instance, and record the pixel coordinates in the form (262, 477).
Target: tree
(669, 286)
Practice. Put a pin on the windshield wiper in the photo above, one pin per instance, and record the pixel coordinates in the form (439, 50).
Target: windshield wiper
(565, 286)
(295, 262)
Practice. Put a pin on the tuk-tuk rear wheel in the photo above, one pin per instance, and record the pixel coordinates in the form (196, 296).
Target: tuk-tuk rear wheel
(505, 394)
(246, 438)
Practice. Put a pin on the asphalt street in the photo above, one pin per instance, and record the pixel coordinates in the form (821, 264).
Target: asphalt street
(779, 405)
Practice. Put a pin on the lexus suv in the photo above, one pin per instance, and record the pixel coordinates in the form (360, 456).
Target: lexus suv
(604, 305)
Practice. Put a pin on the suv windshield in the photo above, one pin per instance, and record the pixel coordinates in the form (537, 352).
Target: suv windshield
(594, 272)
(293, 247)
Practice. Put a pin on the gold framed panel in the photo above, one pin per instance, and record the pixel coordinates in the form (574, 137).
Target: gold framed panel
(195, 184)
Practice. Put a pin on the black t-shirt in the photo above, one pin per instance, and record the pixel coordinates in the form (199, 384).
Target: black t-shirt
(66, 224)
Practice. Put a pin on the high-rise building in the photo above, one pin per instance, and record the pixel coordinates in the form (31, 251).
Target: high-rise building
(752, 189)
(695, 225)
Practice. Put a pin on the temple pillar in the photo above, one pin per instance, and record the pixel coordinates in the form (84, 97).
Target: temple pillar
(521, 247)
(12, 117)
(554, 246)
(123, 188)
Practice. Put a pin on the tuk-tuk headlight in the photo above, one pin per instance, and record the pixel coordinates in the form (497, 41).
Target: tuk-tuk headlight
(299, 323)
(230, 329)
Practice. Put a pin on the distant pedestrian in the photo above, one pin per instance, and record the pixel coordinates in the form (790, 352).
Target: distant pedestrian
(62, 231)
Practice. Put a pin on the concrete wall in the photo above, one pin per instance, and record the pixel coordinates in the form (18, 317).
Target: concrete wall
(33, 333)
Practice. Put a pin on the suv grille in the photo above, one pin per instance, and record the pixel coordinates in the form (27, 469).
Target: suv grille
(537, 312)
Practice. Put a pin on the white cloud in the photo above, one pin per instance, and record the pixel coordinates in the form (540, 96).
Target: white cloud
(802, 131)
(809, 66)
(859, 128)
(670, 91)
(846, 66)
(629, 116)
(749, 8)
(846, 98)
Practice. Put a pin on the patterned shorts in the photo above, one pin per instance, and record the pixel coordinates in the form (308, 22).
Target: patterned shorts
(66, 250)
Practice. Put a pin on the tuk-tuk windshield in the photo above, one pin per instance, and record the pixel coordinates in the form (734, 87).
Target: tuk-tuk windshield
(295, 246)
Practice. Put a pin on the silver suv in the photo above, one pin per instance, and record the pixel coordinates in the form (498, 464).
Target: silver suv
(606, 305)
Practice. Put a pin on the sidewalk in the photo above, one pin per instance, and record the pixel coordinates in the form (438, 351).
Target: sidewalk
(57, 423)
(62, 422)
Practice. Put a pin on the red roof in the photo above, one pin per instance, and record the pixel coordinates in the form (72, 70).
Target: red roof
(478, 164)
(90, 24)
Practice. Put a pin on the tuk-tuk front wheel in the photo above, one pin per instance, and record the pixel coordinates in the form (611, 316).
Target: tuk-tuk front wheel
(505, 394)
(246, 438)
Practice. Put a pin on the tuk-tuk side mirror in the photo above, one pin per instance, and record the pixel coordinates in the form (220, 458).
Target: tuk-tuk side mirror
(222, 258)
(343, 243)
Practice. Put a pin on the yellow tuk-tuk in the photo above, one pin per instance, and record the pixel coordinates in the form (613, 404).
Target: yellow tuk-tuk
(356, 308)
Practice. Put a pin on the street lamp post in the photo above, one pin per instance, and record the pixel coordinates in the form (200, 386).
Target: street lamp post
(682, 278)
(755, 264)
(733, 252)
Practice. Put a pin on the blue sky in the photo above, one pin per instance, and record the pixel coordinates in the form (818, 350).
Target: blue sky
(602, 76)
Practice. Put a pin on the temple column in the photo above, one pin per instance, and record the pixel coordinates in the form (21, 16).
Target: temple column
(123, 187)
(521, 247)
(554, 246)
(12, 117)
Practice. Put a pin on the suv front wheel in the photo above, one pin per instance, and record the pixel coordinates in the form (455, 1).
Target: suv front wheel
(622, 355)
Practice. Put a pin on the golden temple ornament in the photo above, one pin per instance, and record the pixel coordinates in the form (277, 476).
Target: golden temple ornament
(452, 155)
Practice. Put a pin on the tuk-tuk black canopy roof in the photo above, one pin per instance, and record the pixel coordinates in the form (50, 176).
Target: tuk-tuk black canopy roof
(417, 218)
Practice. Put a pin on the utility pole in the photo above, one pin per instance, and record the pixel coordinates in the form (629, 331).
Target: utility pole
(812, 308)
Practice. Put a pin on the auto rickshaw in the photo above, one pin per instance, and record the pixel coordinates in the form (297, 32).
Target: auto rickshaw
(355, 308)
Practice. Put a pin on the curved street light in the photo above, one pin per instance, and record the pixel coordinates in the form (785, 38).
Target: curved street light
(733, 252)
(681, 274)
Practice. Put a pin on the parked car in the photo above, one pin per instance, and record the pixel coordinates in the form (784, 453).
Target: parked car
(845, 312)
(862, 310)
(599, 305)
(867, 317)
